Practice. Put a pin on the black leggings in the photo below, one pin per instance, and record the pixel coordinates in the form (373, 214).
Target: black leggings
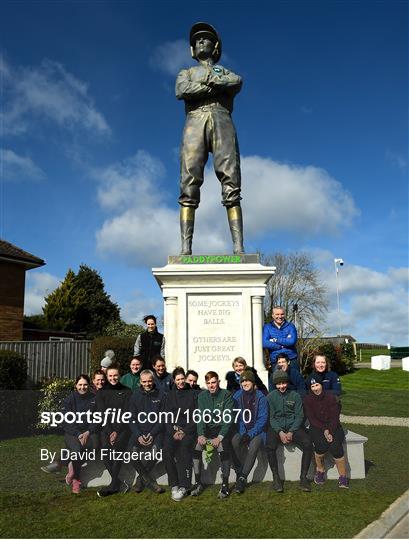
(178, 458)
(73, 444)
(321, 445)
(114, 465)
(300, 438)
(144, 466)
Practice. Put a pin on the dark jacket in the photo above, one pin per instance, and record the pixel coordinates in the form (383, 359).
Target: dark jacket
(296, 381)
(233, 381)
(148, 345)
(112, 396)
(322, 411)
(331, 383)
(261, 414)
(164, 383)
(145, 402)
(181, 403)
(286, 412)
(78, 403)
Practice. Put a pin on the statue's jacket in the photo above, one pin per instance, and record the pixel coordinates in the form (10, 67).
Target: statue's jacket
(206, 85)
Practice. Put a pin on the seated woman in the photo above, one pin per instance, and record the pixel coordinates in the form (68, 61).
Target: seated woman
(330, 379)
(180, 439)
(114, 434)
(233, 377)
(98, 381)
(322, 411)
(77, 435)
(295, 379)
(252, 424)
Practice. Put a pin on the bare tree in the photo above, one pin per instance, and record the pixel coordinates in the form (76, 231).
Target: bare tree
(296, 286)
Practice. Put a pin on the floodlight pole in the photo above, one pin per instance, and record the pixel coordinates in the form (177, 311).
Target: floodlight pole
(336, 263)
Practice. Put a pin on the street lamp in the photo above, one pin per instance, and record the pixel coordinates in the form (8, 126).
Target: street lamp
(337, 264)
(295, 311)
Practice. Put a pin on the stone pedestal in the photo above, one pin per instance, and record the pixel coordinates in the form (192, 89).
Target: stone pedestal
(213, 311)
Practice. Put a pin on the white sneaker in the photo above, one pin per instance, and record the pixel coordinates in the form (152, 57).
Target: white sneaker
(174, 492)
(181, 494)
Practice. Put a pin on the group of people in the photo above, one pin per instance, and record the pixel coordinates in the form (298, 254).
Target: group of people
(233, 423)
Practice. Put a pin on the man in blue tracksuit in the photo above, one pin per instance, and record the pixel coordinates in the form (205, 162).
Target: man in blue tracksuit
(252, 424)
(280, 336)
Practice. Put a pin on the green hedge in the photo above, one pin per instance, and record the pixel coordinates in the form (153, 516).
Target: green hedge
(122, 347)
(399, 352)
(13, 370)
(340, 357)
(52, 395)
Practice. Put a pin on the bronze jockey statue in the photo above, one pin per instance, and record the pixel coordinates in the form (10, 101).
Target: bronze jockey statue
(208, 91)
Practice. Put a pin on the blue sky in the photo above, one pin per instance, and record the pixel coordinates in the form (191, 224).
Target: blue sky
(90, 130)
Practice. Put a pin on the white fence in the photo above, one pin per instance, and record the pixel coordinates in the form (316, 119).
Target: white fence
(65, 359)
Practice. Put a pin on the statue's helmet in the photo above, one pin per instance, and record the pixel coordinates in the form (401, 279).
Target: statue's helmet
(205, 29)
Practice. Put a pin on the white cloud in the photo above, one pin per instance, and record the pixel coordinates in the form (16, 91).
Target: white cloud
(18, 167)
(373, 304)
(144, 228)
(47, 91)
(171, 56)
(38, 285)
(358, 279)
(139, 306)
(400, 275)
(396, 160)
(281, 197)
(123, 184)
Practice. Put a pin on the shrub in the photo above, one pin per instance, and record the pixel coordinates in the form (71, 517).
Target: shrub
(52, 395)
(340, 357)
(122, 329)
(13, 370)
(122, 347)
(347, 358)
(18, 413)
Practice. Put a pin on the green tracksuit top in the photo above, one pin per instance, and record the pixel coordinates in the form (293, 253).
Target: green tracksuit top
(216, 404)
(131, 380)
(286, 411)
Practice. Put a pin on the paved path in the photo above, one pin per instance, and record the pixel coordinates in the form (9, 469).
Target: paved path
(375, 420)
(401, 529)
(393, 523)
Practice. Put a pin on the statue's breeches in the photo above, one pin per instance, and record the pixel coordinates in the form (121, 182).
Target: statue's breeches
(209, 129)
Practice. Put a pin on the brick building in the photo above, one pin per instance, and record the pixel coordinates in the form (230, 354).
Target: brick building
(14, 262)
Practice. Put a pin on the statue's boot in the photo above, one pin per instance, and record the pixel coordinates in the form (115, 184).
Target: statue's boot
(235, 218)
(187, 225)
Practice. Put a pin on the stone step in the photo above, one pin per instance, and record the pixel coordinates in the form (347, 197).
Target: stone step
(289, 459)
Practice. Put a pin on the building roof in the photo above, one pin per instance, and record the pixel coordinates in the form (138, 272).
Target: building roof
(12, 253)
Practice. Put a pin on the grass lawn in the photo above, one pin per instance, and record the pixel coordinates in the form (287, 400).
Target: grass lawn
(369, 392)
(37, 505)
